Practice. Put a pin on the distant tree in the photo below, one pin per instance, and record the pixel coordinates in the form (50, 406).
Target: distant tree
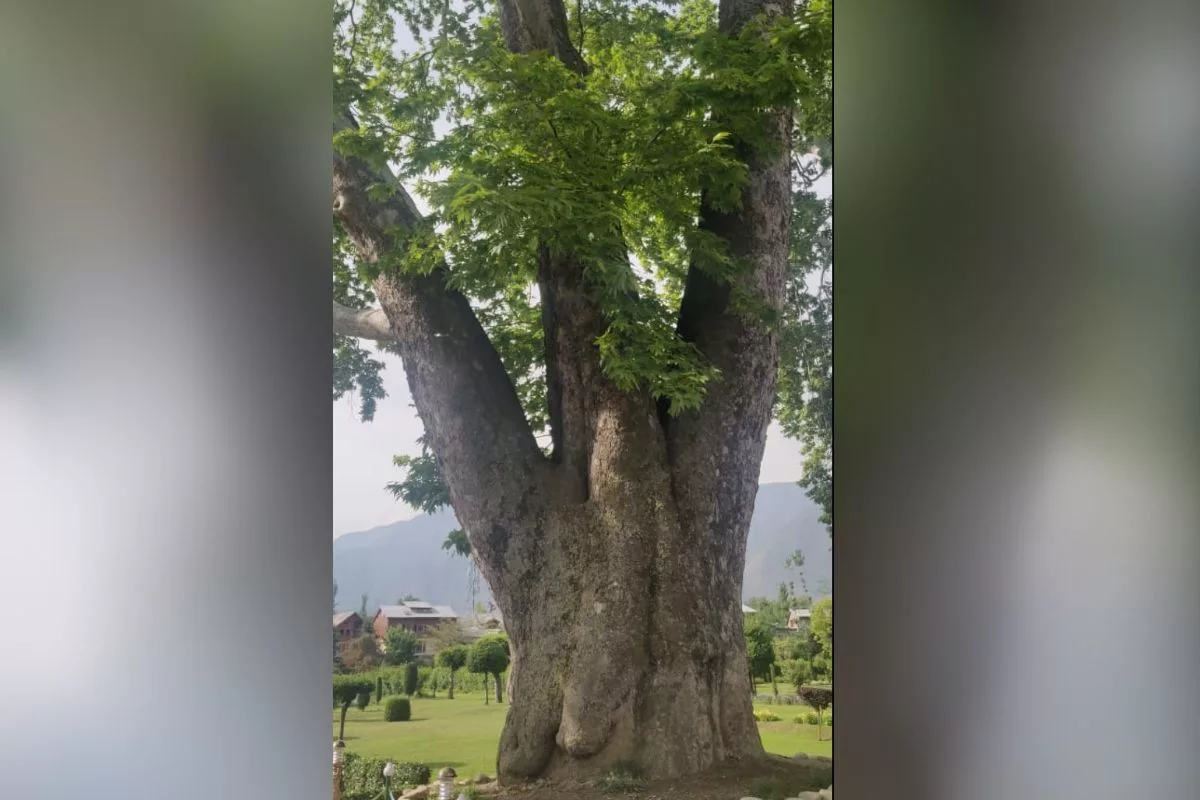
(361, 654)
(346, 690)
(379, 689)
(453, 658)
(804, 647)
(796, 562)
(797, 673)
(445, 635)
(401, 647)
(408, 598)
(362, 609)
(820, 698)
(490, 656)
(822, 627)
(411, 678)
(760, 650)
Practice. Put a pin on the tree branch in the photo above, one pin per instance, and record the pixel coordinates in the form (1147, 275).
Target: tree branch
(362, 323)
(473, 420)
(726, 436)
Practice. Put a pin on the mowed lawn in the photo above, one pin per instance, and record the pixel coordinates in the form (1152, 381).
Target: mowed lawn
(464, 733)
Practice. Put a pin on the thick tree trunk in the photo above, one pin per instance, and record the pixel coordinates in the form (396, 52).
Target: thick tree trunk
(499, 691)
(623, 648)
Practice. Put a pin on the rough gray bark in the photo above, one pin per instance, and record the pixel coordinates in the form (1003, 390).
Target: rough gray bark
(617, 562)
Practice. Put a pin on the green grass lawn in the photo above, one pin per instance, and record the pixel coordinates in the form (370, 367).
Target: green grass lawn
(463, 733)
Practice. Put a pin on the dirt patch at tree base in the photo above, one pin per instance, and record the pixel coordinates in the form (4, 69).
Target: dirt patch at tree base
(773, 778)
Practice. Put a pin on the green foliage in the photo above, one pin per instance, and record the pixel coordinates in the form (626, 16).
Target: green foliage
(797, 673)
(470, 793)
(401, 647)
(624, 777)
(489, 655)
(805, 393)
(363, 700)
(772, 612)
(361, 654)
(363, 776)
(453, 658)
(378, 688)
(807, 718)
(518, 155)
(397, 709)
(760, 649)
(818, 697)
(411, 679)
(347, 688)
(805, 647)
(822, 628)
(766, 716)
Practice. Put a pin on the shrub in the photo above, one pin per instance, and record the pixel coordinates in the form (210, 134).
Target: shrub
(453, 659)
(397, 709)
(409, 774)
(766, 716)
(411, 676)
(819, 698)
(346, 689)
(807, 718)
(378, 688)
(489, 656)
(363, 777)
(363, 700)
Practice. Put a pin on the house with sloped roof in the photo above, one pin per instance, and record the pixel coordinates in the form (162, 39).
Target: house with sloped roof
(483, 623)
(347, 625)
(415, 616)
(798, 617)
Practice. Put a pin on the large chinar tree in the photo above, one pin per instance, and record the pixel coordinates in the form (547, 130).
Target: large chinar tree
(590, 318)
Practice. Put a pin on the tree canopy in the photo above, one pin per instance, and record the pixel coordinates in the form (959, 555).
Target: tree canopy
(401, 646)
(604, 155)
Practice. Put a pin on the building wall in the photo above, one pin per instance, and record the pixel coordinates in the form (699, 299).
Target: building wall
(350, 629)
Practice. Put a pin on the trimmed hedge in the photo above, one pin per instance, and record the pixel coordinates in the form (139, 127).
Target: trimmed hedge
(397, 709)
(363, 777)
(817, 697)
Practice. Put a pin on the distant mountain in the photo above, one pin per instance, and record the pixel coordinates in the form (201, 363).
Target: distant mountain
(406, 557)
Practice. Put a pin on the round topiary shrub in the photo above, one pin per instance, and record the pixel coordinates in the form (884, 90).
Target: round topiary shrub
(397, 709)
